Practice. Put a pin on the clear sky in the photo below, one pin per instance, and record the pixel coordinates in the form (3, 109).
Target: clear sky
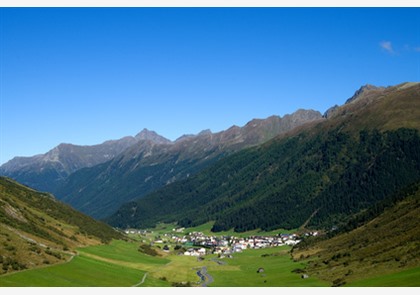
(86, 75)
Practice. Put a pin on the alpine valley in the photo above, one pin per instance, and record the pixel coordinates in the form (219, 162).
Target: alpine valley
(341, 189)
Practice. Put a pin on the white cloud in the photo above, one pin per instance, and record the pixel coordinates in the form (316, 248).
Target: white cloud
(387, 46)
(408, 48)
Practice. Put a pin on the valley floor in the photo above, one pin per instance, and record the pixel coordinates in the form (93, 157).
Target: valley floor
(120, 264)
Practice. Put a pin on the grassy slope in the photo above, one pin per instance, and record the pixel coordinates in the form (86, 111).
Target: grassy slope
(37, 230)
(399, 106)
(118, 264)
(81, 271)
(405, 278)
(385, 251)
(124, 252)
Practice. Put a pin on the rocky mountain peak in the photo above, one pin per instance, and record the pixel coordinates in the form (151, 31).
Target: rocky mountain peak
(149, 135)
(304, 115)
(330, 111)
(205, 132)
(361, 91)
(184, 137)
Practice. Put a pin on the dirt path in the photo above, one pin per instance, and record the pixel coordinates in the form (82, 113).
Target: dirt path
(142, 281)
(309, 219)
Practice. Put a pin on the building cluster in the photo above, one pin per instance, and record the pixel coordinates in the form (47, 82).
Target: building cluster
(199, 244)
(225, 246)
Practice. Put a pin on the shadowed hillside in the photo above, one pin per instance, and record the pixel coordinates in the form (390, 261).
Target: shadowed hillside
(320, 173)
(36, 229)
(147, 166)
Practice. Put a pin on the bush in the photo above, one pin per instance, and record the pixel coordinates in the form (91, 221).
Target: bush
(147, 249)
(10, 248)
(298, 270)
(339, 282)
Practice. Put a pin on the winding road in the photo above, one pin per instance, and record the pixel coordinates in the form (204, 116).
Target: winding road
(204, 277)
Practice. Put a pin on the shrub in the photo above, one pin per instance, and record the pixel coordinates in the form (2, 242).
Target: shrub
(10, 248)
(339, 282)
(147, 249)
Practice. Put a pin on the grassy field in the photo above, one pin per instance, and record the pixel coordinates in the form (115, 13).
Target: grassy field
(122, 251)
(239, 271)
(242, 270)
(120, 264)
(81, 271)
(407, 278)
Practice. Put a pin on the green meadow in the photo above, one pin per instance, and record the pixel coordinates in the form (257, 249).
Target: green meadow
(81, 271)
(120, 264)
(116, 265)
(407, 278)
(275, 268)
(123, 251)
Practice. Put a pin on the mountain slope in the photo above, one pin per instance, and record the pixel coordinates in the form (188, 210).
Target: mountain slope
(385, 241)
(147, 166)
(36, 229)
(46, 172)
(329, 169)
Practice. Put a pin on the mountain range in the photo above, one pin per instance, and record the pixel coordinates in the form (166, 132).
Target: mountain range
(98, 179)
(318, 174)
(315, 169)
(46, 172)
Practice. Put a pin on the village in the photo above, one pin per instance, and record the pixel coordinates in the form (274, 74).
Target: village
(198, 244)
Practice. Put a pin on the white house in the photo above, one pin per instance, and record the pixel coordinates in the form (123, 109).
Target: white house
(195, 252)
(291, 242)
(201, 251)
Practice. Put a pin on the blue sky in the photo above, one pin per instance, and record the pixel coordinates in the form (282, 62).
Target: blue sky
(86, 75)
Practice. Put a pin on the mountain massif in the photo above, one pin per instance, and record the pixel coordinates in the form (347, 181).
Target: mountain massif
(142, 164)
(36, 229)
(48, 171)
(316, 175)
(301, 169)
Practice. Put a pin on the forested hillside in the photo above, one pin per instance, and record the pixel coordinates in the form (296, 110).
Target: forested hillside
(147, 166)
(317, 175)
(281, 185)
